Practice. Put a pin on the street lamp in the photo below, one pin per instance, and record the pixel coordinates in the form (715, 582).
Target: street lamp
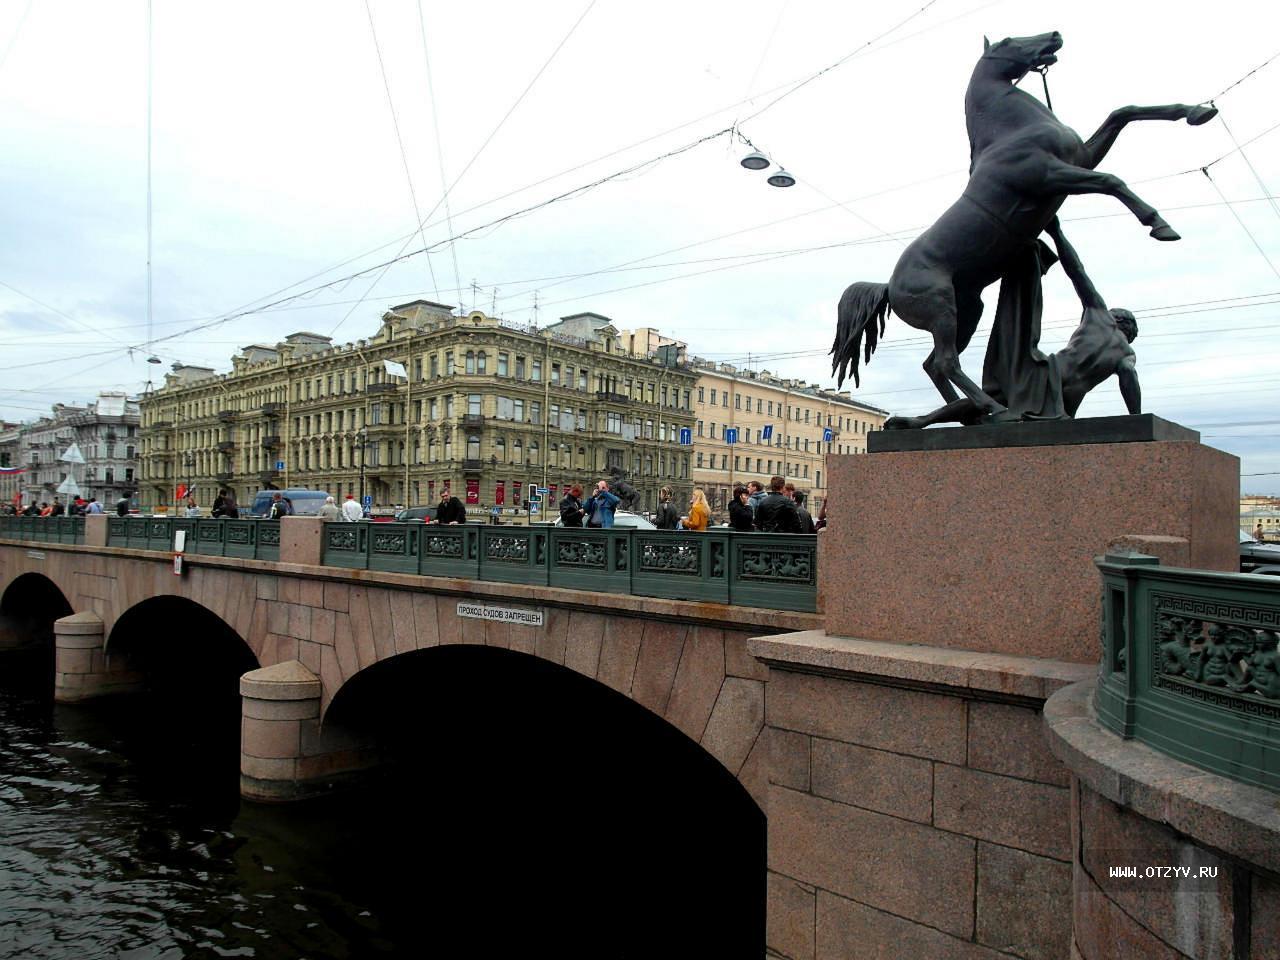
(362, 438)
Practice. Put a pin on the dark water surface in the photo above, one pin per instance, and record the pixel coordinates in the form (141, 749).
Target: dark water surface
(121, 838)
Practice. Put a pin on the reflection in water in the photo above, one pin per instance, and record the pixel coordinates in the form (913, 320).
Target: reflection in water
(526, 816)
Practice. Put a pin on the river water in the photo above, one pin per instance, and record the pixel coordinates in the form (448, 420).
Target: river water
(119, 839)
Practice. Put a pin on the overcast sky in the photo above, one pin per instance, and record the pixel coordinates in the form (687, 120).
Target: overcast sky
(277, 167)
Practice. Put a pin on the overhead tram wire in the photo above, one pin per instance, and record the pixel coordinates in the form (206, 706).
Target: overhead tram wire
(404, 158)
(1248, 163)
(1243, 225)
(458, 179)
(435, 120)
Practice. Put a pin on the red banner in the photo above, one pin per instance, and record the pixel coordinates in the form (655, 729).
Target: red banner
(500, 493)
(473, 492)
(515, 493)
(181, 492)
(552, 488)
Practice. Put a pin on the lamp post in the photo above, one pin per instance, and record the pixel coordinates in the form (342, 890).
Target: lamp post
(362, 438)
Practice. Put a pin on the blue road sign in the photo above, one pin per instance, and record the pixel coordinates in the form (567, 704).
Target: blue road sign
(730, 434)
(686, 436)
(768, 432)
(367, 500)
(826, 434)
(279, 464)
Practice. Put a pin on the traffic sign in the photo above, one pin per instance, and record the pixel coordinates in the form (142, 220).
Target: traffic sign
(279, 464)
(730, 434)
(367, 501)
(686, 436)
(826, 434)
(767, 434)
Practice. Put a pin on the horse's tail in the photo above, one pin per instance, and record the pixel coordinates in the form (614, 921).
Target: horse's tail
(863, 307)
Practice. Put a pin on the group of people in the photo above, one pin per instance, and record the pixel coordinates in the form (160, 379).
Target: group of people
(780, 510)
(78, 507)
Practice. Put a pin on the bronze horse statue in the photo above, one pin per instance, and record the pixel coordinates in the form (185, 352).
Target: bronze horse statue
(1024, 162)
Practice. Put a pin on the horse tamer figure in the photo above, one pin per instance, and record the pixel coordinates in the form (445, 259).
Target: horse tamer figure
(1024, 163)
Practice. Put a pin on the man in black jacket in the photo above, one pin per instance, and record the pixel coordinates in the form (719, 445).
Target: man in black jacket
(777, 512)
(451, 509)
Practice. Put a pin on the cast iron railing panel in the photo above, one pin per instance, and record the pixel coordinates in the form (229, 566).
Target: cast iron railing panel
(1190, 665)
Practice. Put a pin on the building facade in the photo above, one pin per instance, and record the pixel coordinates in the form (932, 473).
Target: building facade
(106, 434)
(780, 425)
(431, 402)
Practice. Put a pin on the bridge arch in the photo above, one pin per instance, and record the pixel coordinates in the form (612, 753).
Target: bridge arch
(28, 608)
(601, 812)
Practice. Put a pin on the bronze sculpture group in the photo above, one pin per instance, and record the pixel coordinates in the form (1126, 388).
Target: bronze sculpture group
(1024, 162)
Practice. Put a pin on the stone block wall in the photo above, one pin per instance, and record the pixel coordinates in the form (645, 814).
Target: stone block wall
(914, 807)
(1205, 849)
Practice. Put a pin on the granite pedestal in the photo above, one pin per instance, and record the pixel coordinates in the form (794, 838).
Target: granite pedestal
(991, 548)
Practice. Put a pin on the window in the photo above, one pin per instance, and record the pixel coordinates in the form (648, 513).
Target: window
(519, 368)
(613, 422)
(433, 411)
(535, 412)
(533, 451)
(712, 430)
(817, 481)
(435, 367)
(759, 405)
(448, 406)
(500, 449)
(806, 415)
(482, 362)
(713, 397)
(699, 460)
(502, 364)
(471, 362)
(517, 409)
(473, 404)
(699, 428)
(664, 396)
(568, 377)
(448, 364)
(582, 379)
(555, 374)
(701, 395)
(536, 371)
(473, 446)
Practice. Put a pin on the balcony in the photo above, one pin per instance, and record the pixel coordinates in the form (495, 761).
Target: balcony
(161, 424)
(265, 475)
(608, 396)
(473, 420)
(384, 387)
(272, 409)
(225, 476)
(472, 466)
(227, 416)
(227, 446)
(271, 441)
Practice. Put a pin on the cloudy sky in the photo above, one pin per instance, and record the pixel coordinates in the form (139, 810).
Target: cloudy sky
(297, 144)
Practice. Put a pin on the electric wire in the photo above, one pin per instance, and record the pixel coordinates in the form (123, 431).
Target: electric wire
(13, 37)
(1243, 226)
(435, 121)
(1248, 163)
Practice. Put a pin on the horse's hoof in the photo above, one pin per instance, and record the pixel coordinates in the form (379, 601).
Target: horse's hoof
(1165, 232)
(1201, 114)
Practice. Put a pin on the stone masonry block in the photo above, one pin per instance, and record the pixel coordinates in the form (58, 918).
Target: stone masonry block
(1021, 903)
(618, 652)
(1010, 740)
(735, 722)
(404, 630)
(335, 596)
(789, 927)
(660, 649)
(273, 739)
(853, 931)
(789, 758)
(582, 644)
(311, 592)
(268, 768)
(738, 662)
(906, 868)
(269, 710)
(697, 681)
(887, 718)
(1016, 813)
(873, 779)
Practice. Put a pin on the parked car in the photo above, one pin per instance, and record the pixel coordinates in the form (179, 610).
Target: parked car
(624, 518)
(1258, 557)
(425, 514)
(306, 503)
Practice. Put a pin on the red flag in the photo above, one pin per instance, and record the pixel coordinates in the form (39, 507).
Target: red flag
(181, 492)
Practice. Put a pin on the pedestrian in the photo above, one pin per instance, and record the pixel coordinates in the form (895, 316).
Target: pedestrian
(279, 509)
(806, 521)
(122, 507)
(822, 517)
(45, 509)
(699, 512)
(351, 511)
(230, 509)
(777, 512)
(93, 506)
(1257, 532)
(495, 515)
(35, 511)
(451, 509)
(667, 516)
(740, 514)
(571, 511)
(192, 510)
(755, 493)
(600, 508)
(330, 511)
(219, 504)
(77, 507)
(58, 508)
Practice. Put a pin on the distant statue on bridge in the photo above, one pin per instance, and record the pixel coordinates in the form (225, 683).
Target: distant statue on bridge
(1024, 163)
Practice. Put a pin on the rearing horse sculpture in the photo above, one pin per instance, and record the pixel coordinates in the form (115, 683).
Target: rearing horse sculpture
(1024, 162)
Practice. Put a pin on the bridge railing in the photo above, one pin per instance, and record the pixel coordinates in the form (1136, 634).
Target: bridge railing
(719, 566)
(1190, 665)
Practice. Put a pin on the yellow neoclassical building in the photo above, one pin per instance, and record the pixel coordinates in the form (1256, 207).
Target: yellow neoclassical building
(431, 401)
